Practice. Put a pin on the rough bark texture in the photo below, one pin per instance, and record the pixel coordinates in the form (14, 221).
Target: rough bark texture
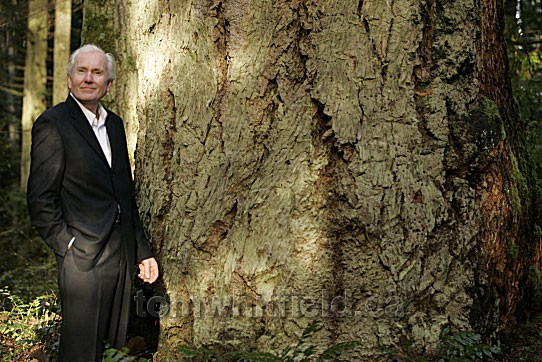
(318, 159)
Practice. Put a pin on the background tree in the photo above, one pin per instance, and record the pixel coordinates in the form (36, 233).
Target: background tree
(62, 50)
(290, 154)
(12, 33)
(35, 77)
(524, 37)
(12, 30)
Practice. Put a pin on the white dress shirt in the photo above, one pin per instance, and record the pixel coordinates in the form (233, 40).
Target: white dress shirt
(97, 122)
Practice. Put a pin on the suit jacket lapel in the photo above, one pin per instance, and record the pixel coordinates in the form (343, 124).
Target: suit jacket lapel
(113, 134)
(80, 122)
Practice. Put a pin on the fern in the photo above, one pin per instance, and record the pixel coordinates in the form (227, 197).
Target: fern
(201, 354)
(465, 346)
(27, 326)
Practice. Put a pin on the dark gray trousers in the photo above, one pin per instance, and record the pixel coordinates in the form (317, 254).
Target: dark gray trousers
(94, 303)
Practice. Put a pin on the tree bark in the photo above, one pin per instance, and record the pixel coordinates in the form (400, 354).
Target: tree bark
(322, 159)
(35, 78)
(63, 21)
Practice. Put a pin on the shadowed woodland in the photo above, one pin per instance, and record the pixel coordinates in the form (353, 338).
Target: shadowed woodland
(321, 180)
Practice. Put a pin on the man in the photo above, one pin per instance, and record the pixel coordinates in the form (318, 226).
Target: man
(81, 200)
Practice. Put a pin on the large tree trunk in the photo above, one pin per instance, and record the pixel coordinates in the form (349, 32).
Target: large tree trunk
(35, 78)
(328, 159)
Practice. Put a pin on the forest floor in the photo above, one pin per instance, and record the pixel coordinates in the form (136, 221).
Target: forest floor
(525, 342)
(34, 277)
(29, 311)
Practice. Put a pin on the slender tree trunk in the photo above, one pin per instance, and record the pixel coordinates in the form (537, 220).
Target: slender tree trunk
(35, 78)
(10, 98)
(11, 88)
(63, 21)
(338, 160)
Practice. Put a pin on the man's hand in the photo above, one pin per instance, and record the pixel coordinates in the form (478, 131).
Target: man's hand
(148, 270)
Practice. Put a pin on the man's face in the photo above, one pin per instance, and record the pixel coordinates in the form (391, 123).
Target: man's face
(88, 80)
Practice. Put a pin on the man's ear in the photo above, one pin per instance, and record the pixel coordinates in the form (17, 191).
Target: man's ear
(109, 84)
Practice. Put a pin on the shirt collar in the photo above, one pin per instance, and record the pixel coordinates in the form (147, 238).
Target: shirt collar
(94, 120)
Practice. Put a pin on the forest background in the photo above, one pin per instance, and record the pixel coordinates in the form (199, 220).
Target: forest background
(29, 306)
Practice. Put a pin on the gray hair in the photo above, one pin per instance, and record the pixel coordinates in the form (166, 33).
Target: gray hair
(91, 48)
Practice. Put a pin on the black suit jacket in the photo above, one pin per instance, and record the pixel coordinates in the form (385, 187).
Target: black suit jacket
(72, 190)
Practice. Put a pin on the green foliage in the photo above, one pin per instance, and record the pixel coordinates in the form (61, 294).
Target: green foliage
(29, 312)
(116, 355)
(465, 347)
(28, 326)
(453, 347)
(31, 280)
(191, 353)
(523, 30)
(524, 34)
(26, 266)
